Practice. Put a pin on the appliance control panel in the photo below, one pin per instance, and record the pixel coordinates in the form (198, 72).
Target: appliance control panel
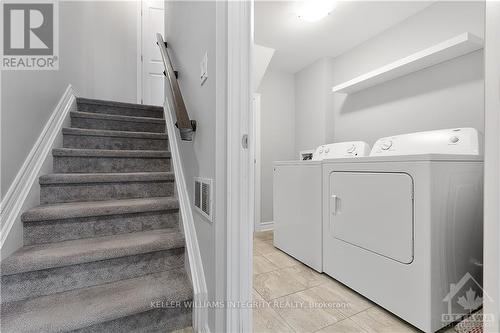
(461, 141)
(341, 150)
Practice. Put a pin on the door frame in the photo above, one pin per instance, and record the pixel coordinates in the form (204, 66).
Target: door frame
(257, 161)
(240, 167)
(139, 57)
(491, 253)
(139, 51)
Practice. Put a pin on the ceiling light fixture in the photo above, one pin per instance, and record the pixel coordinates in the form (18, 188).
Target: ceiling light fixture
(314, 10)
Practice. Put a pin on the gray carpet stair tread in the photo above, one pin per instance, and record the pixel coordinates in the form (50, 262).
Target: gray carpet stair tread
(89, 306)
(104, 116)
(98, 208)
(94, 265)
(111, 133)
(72, 252)
(110, 153)
(84, 178)
(81, 100)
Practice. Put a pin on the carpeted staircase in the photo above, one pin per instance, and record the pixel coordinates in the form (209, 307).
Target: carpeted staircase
(104, 251)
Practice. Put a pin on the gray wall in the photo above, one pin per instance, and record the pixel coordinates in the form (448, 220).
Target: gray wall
(277, 128)
(98, 47)
(191, 29)
(447, 95)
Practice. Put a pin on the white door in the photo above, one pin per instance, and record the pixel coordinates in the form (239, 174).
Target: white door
(152, 78)
(373, 211)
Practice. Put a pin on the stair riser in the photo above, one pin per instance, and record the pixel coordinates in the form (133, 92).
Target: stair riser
(117, 125)
(152, 321)
(84, 164)
(123, 111)
(50, 281)
(103, 142)
(56, 193)
(96, 226)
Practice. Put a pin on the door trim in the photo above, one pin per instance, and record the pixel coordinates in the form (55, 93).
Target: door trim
(139, 51)
(491, 271)
(258, 224)
(141, 7)
(240, 209)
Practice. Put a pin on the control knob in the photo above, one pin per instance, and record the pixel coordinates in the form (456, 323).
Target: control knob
(385, 145)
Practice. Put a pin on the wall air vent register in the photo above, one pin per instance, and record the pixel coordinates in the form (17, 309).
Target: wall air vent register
(203, 197)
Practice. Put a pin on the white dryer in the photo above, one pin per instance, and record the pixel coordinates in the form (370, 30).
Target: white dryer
(297, 202)
(404, 224)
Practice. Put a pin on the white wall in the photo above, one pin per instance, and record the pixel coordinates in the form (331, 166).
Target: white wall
(191, 29)
(97, 55)
(313, 104)
(277, 128)
(446, 95)
(261, 57)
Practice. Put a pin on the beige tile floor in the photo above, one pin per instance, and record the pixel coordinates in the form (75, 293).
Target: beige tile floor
(284, 289)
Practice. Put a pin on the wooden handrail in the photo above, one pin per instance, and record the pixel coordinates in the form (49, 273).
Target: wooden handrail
(186, 126)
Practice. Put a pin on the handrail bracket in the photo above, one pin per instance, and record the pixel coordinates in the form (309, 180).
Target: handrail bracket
(186, 133)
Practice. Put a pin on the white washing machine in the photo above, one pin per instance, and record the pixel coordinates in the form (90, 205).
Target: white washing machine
(403, 224)
(297, 202)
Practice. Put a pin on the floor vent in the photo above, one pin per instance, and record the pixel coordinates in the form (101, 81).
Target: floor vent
(203, 196)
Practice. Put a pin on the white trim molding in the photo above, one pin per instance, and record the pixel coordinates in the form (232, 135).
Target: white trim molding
(220, 198)
(197, 274)
(264, 226)
(240, 208)
(139, 51)
(257, 162)
(491, 251)
(24, 192)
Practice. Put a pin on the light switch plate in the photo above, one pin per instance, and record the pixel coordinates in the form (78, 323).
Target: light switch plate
(204, 69)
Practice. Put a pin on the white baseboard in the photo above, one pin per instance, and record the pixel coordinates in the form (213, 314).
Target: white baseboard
(195, 264)
(264, 226)
(206, 329)
(24, 192)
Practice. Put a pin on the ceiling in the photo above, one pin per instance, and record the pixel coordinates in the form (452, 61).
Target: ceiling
(298, 43)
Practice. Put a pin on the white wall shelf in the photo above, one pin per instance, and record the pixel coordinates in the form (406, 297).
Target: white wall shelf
(449, 49)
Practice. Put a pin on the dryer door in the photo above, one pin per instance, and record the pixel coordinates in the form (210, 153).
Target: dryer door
(373, 211)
